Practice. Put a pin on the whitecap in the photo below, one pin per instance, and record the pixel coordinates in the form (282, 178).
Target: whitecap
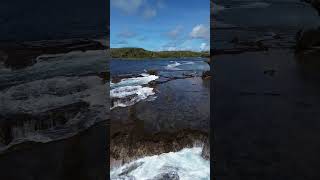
(129, 95)
(130, 91)
(187, 164)
(173, 66)
(145, 79)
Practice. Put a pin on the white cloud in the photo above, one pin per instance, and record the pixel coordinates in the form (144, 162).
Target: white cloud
(127, 34)
(145, 8)
(172, 49)
(174, 33)
(149, 13)
(200, 32)
(128, 6)
(204, 47)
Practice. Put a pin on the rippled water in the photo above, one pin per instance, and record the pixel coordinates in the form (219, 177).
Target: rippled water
(134, 88)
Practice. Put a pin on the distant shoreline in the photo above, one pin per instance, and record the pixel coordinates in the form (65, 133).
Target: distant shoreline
(140, 53)
(143, 58)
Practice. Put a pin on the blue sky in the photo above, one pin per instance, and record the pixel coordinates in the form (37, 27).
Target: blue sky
(160, 24)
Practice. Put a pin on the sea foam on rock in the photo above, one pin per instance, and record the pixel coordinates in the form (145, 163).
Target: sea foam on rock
(50, 109)
(184, 164)
(129, 91)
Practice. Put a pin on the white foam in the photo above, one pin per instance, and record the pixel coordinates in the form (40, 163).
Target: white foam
(42, 95)
(126, 91)
(173, 66)
(130, 95)
(188, 63)
(130, 91)
(145, 79)
(187, 164)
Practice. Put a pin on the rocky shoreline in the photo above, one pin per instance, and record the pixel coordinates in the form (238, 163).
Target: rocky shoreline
(131, 138)
(40, 108)
(131, 143)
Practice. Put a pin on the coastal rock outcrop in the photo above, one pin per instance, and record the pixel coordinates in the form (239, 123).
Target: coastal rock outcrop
(13, 126)
(21, 55)
(167, 176)
(129, 141)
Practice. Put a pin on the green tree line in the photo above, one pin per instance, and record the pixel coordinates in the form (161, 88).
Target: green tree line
(142, 53)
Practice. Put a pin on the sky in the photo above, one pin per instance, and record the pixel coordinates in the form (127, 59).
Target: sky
(160, 25)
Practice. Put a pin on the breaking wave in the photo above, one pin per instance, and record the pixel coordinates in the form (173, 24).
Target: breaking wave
(144, 79)
(174, 65)
(186, 164)
(129, 91)
(129, 95)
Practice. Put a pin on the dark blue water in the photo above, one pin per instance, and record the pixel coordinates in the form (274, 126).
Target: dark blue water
(163, 66)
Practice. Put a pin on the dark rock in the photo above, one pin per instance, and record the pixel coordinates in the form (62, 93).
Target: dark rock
(130, 168)
(208, 61)
(105, 76)
(206, 150)
(116, 79)
(167, 176)
(21, 55)
(206, 75)
(153, 83)
(130, 141)
(28, 123)
(152, 72)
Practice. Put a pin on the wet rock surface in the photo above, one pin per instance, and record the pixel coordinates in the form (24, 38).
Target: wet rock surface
(130, 142)
(19, 125)
(50, 90)
(23, 54)
(167, 176)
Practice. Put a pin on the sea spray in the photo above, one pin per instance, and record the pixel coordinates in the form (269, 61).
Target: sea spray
(186, 164)
(129, 91)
